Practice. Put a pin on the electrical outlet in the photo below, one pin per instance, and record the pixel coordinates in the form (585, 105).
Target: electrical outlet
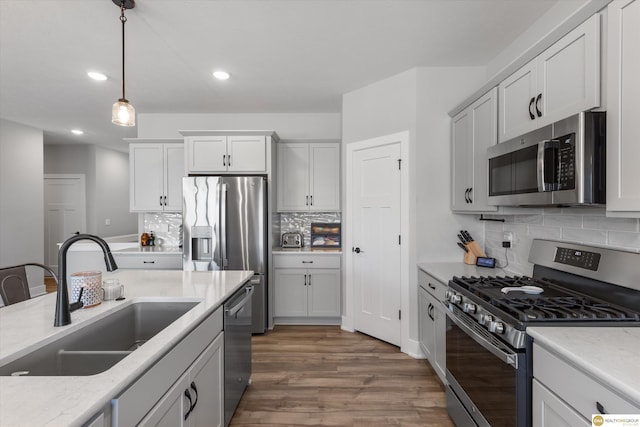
(507, 239)
(107, 221)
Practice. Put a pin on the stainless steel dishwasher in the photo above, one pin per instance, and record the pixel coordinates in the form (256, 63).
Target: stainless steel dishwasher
(237, 348)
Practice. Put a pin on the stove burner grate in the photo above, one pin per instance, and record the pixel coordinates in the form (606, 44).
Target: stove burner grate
(555, 303)
(566, 308)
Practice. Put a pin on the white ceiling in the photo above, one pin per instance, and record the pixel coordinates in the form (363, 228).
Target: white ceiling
(284, 55)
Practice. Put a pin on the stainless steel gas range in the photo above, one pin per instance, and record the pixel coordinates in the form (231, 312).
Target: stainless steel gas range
(488, 353)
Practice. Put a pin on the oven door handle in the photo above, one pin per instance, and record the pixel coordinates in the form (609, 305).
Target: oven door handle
(508, 358)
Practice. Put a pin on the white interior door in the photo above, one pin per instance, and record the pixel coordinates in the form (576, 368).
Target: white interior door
(64, 212)
(376, 274)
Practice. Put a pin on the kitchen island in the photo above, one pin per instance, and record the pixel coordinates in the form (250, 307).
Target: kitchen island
(73, 400)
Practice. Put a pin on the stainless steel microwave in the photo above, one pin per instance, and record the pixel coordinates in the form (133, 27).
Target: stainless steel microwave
(559, 164)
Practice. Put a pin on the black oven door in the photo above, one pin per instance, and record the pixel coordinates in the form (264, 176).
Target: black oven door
(487, 378)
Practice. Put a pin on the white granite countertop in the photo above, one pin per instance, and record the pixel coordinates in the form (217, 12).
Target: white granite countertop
(608, 354)
(444, 271)
(70, 401)
(306, 250)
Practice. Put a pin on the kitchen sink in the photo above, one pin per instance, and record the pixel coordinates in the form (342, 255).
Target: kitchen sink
(100, 345)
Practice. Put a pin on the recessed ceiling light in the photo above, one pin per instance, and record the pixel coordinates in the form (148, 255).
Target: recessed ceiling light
(76, 131)
(221, 75)
(97, 76)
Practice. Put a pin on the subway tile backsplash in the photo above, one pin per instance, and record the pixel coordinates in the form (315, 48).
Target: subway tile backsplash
(580, 225)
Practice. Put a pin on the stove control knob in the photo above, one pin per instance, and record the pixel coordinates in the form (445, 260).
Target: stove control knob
(447, 295)
(469, 307)
(497, 327)
(486, 319)
(455, 298)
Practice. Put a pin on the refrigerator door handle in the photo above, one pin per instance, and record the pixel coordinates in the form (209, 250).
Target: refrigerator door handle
(223, 226)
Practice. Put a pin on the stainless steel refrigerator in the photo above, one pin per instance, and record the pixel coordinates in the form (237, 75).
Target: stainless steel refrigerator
(224, 220)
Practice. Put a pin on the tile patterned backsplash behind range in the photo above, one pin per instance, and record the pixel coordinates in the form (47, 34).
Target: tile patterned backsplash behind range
(296, 221)
(584, 225)
(166, 226)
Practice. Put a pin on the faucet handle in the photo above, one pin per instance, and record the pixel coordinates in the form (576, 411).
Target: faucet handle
(78, 304)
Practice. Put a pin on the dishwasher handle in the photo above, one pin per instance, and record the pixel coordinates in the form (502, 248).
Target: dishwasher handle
(232, 311)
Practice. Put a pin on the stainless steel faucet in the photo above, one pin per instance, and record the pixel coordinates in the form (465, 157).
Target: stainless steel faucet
(63, 309)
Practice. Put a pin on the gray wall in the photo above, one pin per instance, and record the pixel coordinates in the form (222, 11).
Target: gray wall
(286, 125)
(21, 198)
(107, 183)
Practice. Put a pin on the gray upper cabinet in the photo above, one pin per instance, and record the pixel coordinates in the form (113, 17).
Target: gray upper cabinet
(155, 177)
(561, 81)
(308, 177)
(473, 130)
(226, 154)
(623, 92)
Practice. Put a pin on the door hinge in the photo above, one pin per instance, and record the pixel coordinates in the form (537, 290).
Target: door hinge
(399, 239)
(399, 164)
(399, 314)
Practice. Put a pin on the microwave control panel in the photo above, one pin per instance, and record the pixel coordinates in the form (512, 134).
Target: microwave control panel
(566, 162)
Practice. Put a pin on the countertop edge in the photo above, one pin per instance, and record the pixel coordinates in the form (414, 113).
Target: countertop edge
(587, 362)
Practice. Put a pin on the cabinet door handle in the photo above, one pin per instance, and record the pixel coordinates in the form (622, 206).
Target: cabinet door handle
(305, 280)
(309, 280)
(228, 159)
(466, 195)
(470, 191)
(311, 197)
(306, 203)
(531, 115)
(188, 396)
(160, 200)
(195, 390)
(165, 200)
(224, 160)
(600, 408)
(432, 286)
(538, 112)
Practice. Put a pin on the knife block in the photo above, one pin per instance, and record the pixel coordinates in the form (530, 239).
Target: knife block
(474, 251)
(469, 258)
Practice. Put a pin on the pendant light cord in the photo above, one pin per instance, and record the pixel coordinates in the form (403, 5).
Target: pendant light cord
(123, 19)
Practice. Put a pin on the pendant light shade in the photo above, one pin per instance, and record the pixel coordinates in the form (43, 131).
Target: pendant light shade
(122, 112)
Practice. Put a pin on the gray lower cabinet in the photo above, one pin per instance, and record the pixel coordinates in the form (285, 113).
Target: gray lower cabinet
(194, 400)
(564, 395)
(307, 289)
(184, 388)
(433, 322)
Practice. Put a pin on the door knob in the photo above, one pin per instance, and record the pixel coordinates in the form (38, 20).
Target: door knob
(357, 250)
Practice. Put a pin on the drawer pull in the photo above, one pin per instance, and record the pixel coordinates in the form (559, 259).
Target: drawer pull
(432, 287)
(148, 262)
(307, 262)
(600, 408)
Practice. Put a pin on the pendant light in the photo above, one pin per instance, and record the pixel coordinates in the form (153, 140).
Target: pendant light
(122, 112)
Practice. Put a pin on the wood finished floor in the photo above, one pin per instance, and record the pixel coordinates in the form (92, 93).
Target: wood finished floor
(323, 376)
